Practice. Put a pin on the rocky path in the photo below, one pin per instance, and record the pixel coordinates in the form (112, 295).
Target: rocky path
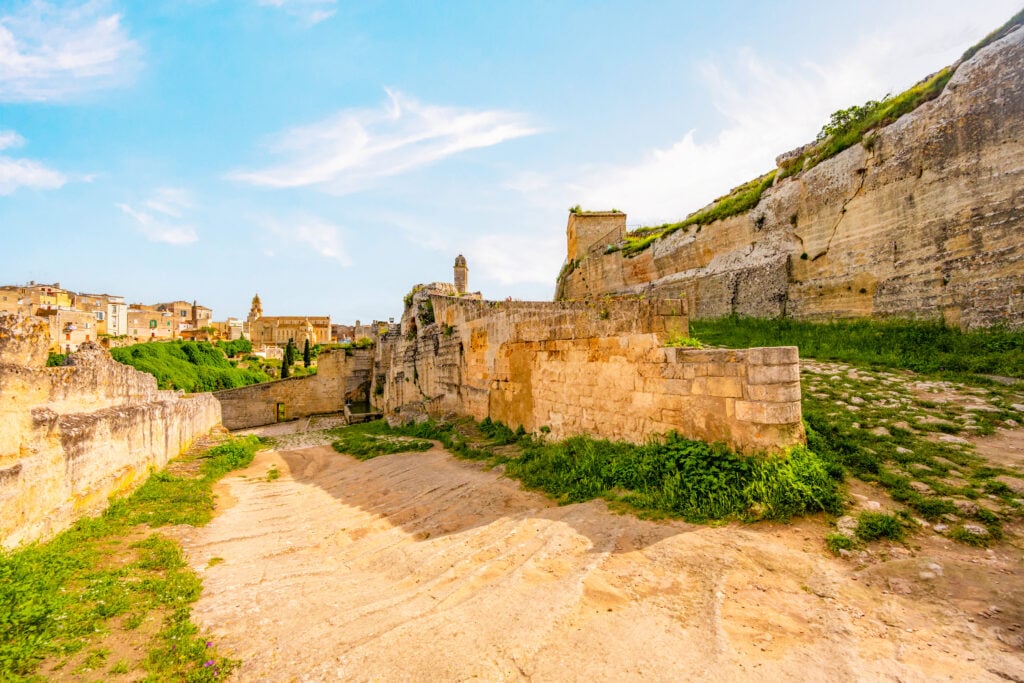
(422, 567)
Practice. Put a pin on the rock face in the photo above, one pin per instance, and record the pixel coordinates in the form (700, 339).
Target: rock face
(925, 219)
(71, 437)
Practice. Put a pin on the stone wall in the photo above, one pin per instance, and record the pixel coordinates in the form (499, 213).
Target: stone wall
(342, 375)
(925, 219)
(596, 367)
(71, 437)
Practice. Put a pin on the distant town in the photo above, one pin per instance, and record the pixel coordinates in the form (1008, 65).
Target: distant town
(75, 318)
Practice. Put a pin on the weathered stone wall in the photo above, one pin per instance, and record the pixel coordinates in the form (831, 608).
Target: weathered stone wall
(70, 437)
(342, 375)
(925, 219)
(597, 367)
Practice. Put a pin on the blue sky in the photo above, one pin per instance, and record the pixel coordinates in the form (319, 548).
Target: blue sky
(331, 154)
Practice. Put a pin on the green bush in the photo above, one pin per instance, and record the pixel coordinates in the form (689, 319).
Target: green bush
(235, 347)
(55, 360)
(837, 542)
(874, 525)
(188, 365)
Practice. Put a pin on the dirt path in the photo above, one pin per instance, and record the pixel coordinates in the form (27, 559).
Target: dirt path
(422, 567)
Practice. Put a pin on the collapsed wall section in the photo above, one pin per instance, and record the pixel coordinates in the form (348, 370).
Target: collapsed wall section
(71, 437)
(596, 367)
(342, 375)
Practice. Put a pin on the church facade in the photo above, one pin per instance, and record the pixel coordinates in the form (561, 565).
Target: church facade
(264, 330)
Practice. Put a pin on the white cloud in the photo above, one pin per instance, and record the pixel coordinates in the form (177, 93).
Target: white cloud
(767, 110)
(320, 236)
(18, 173)
(310, 12)
(160, 222)
(355, 147)
(51, 53)
(513, 259)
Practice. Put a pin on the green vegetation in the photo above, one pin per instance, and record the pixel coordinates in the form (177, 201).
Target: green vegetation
(846, 127)
(1016, 20)
(874, 525)
(371, 439)
(837, 542)
(235, 347)
(879, 424)
(740, 199)
(187, 365)
(668, 476)
(307, 357)
(921, 346)
(60, 599)
(681, 341)
(55, 360)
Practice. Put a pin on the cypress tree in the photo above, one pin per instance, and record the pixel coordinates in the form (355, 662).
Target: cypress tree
(307, 358)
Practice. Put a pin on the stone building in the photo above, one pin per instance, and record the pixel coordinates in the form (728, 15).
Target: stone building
(149, 324)
(111, 312)
(277, 330)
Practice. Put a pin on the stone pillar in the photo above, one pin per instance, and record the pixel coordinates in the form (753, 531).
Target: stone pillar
(461, 274)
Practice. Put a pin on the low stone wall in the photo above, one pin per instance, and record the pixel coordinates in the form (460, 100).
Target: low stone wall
(71, 437)
(342, 375)
(597, 367)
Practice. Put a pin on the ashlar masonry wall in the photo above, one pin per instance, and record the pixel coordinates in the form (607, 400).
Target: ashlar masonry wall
(342, 375)
(71, 437)
(597, 367)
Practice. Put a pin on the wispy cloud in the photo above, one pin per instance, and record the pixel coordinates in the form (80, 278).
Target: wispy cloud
(53, 53)
(309, 12)
(766, 110)
(352, 149)
(160, 218)
(17, 173)
(320, 236)
(513, 259)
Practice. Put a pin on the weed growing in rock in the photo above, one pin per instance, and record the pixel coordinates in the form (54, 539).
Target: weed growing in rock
(872, 526)
(837, 542)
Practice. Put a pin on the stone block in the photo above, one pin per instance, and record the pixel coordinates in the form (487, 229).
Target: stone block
(699, 386)
(725, 386)
(750, 411)
(776, 393)
(773, 374)
(773, 355)
(781, 413)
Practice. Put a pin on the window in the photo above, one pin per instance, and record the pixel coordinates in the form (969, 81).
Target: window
(100, 315)
(152, 324)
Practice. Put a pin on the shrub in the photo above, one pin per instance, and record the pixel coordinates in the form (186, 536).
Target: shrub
(874, 525)
(187, 365)
(837, 542)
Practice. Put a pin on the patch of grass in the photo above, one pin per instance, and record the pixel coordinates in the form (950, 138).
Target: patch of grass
(668, 476)
(372, 439)
(60, 597)
(680, 341)
(872, 526)
(273, 473)
(837, 542)
(739, 199)
(927, 347)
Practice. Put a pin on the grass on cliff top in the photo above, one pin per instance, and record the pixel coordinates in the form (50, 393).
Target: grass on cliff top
(921, 346)
(846, 128)
(740, 199)
(669, 476)
(64, 603)
(191, 366)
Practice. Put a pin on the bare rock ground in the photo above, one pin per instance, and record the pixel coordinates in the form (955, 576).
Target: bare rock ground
(421, 567)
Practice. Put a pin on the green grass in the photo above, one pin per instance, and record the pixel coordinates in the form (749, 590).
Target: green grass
(669, 476)
(372, 439)
(187, 365)
(872, 526)
(62, 597)
(926, 347)
(740, 199)
(836, 542)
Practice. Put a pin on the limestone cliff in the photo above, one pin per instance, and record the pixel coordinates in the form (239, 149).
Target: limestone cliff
(924, 219)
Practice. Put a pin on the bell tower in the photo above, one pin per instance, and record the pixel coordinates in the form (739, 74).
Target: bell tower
(461, 274)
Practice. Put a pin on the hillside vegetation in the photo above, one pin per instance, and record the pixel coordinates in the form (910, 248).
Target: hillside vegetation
(846, 128)
(187, 365)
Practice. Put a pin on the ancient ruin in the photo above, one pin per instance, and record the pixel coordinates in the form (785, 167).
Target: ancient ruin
(73, 436)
